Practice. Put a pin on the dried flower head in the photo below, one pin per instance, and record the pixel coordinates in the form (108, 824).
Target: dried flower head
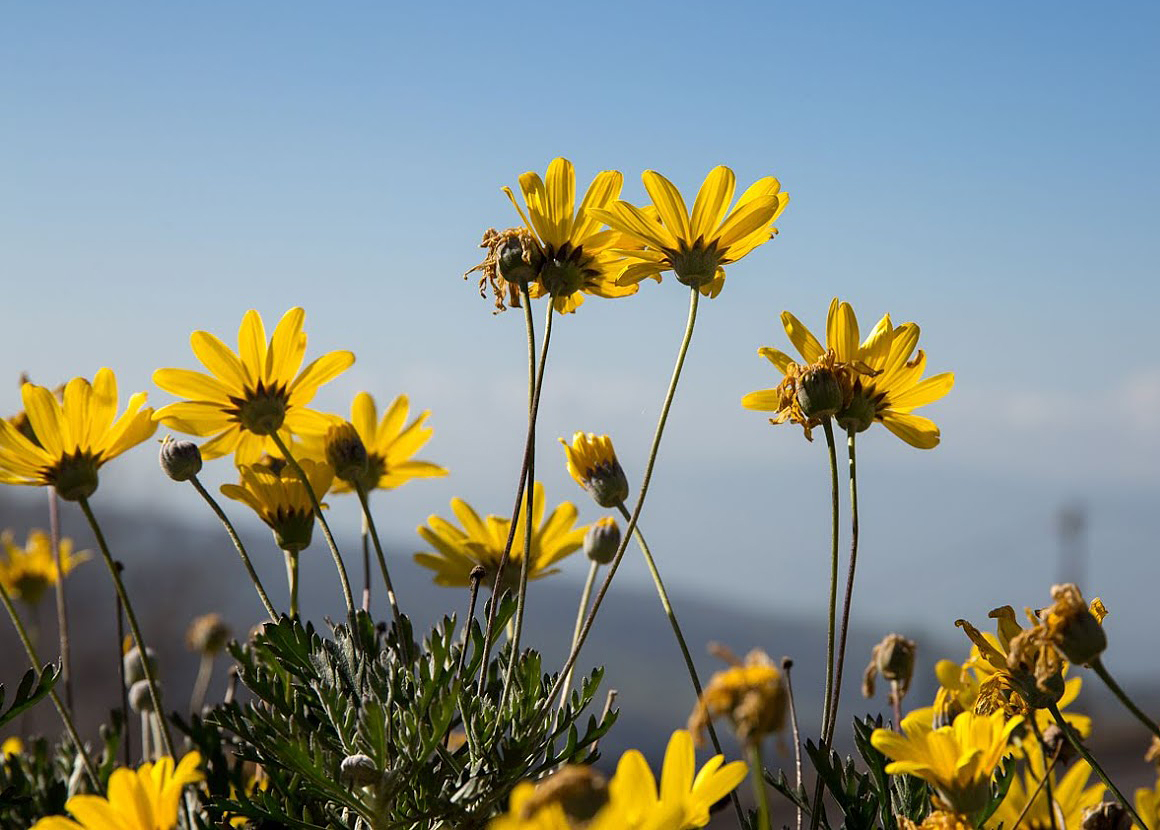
(893, 658)
(750, 693)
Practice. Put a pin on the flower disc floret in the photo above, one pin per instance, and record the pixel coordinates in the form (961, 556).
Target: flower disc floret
(71, 437)
(252, 394)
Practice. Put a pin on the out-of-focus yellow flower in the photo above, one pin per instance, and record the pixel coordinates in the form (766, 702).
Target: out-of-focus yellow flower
(391, 444)
(481, 542)
(938, 820)
(695, 246)
(12, 745)
(1148, 804)
(751, 694)
(631, 800)
(144, 799)
(593, 464)
(957, 760)
(26, 572)
(278, 496)
(72, 438)
(578, 257)
(1070, 793)
(250, 395)
(881, 376)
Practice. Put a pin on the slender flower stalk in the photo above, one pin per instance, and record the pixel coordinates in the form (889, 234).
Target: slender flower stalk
(233, 534)
(1083, 752)
(757, 775)
(477, 574)
(581, 611)
(292, 579)
(61, 709)
(134, 628)
(61, 602)
(369, 528)
(1047, 770)
(845, 626)
(1102, 672)
(124, 687)
(347, 596)
(365, 538)
(786, 665)
(1046, 781)
(828, 710)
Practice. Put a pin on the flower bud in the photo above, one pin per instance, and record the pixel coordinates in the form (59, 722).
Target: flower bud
(359, 770)
(818, 393)
(893, 658)
(1106, 816)
(181, 460)
(131, 662)
(593, 464)
(602, 540)
(346, 453)
(207, 634)
(1073, 627)
(518, 262)
(139, 698)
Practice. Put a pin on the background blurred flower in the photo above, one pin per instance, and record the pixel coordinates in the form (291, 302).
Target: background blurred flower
(27, 571)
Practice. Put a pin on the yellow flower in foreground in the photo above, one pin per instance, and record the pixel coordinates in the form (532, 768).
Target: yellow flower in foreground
(593, 464)
(72, 437)
(884, 372)
(11, 746)
(27, 571)
(695, 246)
(250, 395)
(577, 797)
(938, 820)
(278, 496)
(579, 257)
(481, 542)
(391, 444)
(751, 694)
(957, 760)
(1070, 796)
(1148, 804)
(144, 799)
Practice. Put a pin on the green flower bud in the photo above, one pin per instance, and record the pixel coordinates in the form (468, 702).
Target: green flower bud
(139, 698)
(359, 770)
(602, 540)
(818, 393)
(131, 662)
(181, 460)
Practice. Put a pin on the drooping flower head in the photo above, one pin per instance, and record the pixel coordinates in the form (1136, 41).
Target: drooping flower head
(481, 542)
(147, 798)
(252, 394)
(391, 443)
(593, 464)
(25, 572)
(751, 694)
(880, 378)
(957, 761)
(574, 257)
(276, 493)
(695, 246)
(73, 437)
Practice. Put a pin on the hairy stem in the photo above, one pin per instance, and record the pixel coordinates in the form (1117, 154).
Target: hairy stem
(846, 601)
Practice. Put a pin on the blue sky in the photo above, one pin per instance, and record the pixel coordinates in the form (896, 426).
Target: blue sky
(987, 170)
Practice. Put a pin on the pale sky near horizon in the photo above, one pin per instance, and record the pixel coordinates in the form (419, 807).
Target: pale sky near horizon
(988, 170)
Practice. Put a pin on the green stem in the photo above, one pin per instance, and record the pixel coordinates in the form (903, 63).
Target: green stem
(347, 596)
(134, 628)
(369, 522)
(757, 775)
(846, 601)
(585, 595)
(1102, 672)
(61, 603)
(364, 536)
(126, 742)
(201, 684)
(61, 709)
(667, 605)
(292, 580)
(1077, 744)
(233, 534)
(786, 666)
(682, 351)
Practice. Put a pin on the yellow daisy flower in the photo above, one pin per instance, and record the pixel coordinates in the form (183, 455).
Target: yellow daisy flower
(884, 375)
(695, 245)
(593, 464)
(1070, 793)
(1148, 804)
(957, 760)
(72, 437)
(276, 493)
(481, 542)
(144, 799)
(579, 257)
(27, 571)
(391, 444)
(250, 395)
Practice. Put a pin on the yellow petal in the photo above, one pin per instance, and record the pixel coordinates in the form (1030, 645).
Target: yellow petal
(802, 338)
(915, 430)
(712, 202)
(668, 202)
(561, 199)
(252, 347)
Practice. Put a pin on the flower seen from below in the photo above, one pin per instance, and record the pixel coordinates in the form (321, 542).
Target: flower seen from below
(592, 463)
(1070, 795)
(147, 798)
(578, 257)
(73, 437)
(957, 761)
(631, 800)
(391, 443)
(695, 245)
(248, 396)
(278, 496)
(25, 572)
(457, 550)
(751, 694)
(880, 377)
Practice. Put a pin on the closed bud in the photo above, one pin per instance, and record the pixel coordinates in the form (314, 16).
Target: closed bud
(134, 671)
(139, 698)
(893, 658)
(1106, 816)
(593, 464)
(818, 393)
(207, 634)
(602, 540)
(519, 262)
(346, 453)
(359, 770)
(181, 460)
